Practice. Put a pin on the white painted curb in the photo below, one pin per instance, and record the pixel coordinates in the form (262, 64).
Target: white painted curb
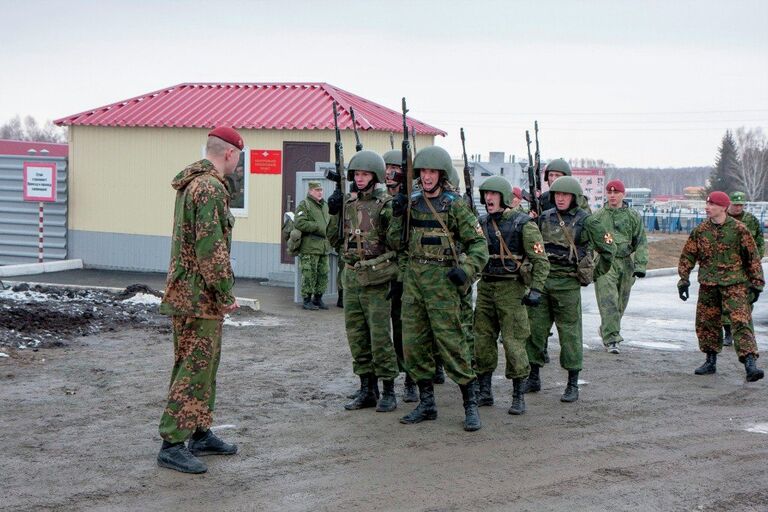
(29, 269)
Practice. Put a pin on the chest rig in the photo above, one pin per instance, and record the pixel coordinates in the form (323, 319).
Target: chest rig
(365, 234)
(429, 241)
(556, 231)
(504, 234)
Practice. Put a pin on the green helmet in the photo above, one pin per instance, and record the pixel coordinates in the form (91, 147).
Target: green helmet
(567, 184)
(453, 178)
(393, 157)
(366, 160)
(557, 165)
(435, 157)
(497, 184)
(738, 198)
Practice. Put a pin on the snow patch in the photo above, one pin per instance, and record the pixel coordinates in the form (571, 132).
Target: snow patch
(143, 298)
(268, 321)
(655, 345)
(222, 427)
(3, 354)
(759, 428)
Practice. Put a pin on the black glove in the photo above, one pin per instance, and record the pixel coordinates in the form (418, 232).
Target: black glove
(335, 202)
(399, 204)
(395, 289)
(532, 298)
(682, 291)
(457, 276)
(755, 295)
(639, 274)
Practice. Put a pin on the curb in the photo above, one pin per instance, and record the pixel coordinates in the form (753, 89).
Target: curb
(28, 269)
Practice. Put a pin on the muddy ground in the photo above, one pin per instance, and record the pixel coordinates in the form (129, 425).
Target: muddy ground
(78, 430)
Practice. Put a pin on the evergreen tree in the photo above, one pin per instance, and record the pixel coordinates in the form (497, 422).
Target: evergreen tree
(726, 166)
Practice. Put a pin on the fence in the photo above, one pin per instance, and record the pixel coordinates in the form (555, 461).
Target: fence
(674, 219)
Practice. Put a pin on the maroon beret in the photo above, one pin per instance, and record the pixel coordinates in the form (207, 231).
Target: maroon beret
(518, 192)
(719, 198)
(228, 134)
(615, 185)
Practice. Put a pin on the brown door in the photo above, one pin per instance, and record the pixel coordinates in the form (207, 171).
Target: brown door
(298, 157)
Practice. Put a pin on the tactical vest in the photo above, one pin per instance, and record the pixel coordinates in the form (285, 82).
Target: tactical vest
(511, 231)
(365, 234)
(428, 240)
(556, 242)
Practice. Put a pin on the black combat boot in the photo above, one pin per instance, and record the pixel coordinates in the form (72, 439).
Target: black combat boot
(388, 401)
(340, 299)
(439, 372)
(308, 304)
(753, 372)
(533, 382)
(471, 414)
(485, 394)
(571, 393)
(426, 410)
(409, 390)
(178, 457)
(367, 395)
(518, 400)
(727, 336)
(318, 301)
(205, 442)
(709, 365)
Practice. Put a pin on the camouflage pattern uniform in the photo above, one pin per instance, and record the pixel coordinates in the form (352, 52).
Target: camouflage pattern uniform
(612, 289)
(729, 265)
(312, 220)
(198, 288)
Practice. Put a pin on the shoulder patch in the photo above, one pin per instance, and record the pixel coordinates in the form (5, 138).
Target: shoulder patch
(608, 238)
(478, 229)
(538, 248)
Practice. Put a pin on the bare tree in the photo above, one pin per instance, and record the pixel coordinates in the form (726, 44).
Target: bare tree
(752, 174)
(30, 130)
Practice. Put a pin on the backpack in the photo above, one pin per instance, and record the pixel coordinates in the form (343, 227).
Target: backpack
(291, 235)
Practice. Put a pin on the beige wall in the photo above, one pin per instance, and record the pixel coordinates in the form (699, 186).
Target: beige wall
(120, 177)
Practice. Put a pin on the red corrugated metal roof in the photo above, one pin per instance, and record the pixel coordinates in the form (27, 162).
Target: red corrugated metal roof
(22, 147)
(279, 106)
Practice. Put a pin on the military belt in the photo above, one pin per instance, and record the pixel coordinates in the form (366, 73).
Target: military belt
(440, 262)
(495, 279)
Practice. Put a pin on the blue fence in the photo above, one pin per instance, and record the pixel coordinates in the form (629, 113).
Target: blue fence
(683, 220)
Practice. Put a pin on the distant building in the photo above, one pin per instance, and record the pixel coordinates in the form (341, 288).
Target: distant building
(638, 197)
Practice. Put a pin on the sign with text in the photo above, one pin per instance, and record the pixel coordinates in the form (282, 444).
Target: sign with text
(40, 182)
(266, 161)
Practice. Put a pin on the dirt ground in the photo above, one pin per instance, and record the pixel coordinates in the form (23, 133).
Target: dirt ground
(664, 250)
(79, 430)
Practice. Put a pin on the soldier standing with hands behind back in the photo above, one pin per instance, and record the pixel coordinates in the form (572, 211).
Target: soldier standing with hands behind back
(312, 219)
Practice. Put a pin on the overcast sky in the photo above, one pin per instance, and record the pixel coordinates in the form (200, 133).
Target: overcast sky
(635, 83)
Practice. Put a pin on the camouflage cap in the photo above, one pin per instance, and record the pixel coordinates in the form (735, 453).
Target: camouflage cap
(738, 198)
(314, 184)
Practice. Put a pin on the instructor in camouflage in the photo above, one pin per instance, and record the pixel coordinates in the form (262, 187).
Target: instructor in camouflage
(312, 219)
(629, 262)
(730, 280)
(198, 293)
(512, 279)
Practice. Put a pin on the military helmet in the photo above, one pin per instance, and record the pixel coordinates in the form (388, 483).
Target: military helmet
(738, 198)
(567, 184)
(557, 165)
(497, 184)
(367, 160)
(435, 157)
(393, 157)
(453, 178)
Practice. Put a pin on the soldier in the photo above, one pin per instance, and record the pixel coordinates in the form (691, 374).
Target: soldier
(514, 243)
(434, 280)
(568, 236)
(736, 210)
(555, 169)
(730, 279)
(370, 264)
(517, 198)
(312, 220)
(613, 287)
(395, 179)
(198, 293)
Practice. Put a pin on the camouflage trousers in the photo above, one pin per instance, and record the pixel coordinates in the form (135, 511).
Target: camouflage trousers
(366, 317)
(468, 321)
(563, 308)
(612, 292)
(499, 311)
(432, 325)
(714, 301)
(396, 306)
(314, 274)
(192, 393)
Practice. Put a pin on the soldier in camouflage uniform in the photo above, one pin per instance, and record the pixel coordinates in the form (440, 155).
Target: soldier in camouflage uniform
(370, 264)
(568, 237)
(555, 169)
(630, 260)
(517, 199)
(434, 280)
(730, 279)
(514, 243)
(312, 220)
(736, 210)
(198, 293)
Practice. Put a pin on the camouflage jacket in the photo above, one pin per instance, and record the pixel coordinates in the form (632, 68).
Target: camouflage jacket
(753, 225)
(368, 216)
(626, 227)
(726, 254)
(200, 278)
(312, 220)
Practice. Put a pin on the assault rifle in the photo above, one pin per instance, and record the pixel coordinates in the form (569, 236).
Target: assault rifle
(358, 144)
(537, 157)
(407, 167)
(341, 175)
(413, 138)
(469, 184)
(532, 189)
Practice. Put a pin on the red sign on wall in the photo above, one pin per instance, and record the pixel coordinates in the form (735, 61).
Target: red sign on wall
(266, 161)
